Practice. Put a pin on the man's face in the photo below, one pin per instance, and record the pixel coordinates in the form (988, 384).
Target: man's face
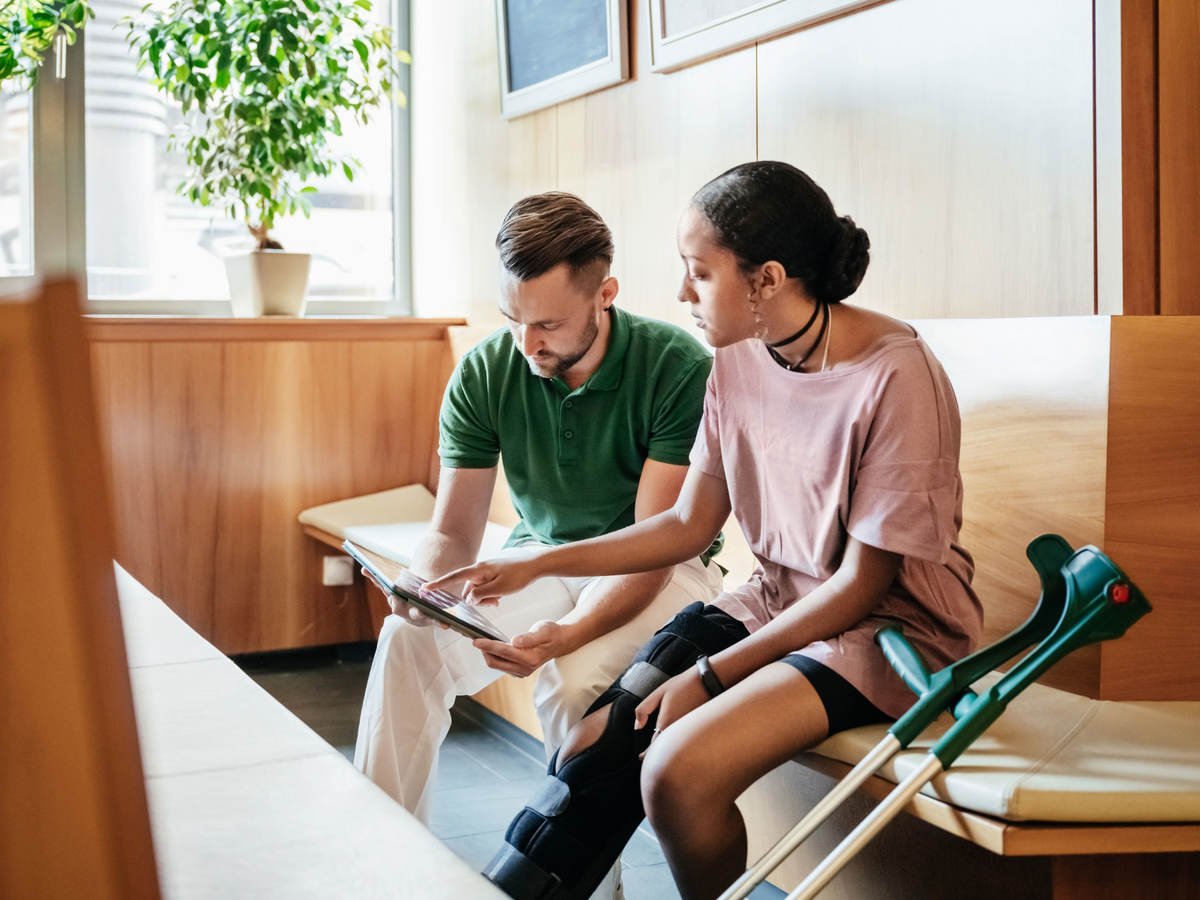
(553, 321)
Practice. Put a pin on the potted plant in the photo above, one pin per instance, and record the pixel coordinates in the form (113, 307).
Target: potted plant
(29, 27)
(267, 83)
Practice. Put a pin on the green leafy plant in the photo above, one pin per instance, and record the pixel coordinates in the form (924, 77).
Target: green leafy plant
(28, 28)
(268, 83)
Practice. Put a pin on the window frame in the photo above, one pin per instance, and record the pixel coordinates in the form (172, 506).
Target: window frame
(59, 190)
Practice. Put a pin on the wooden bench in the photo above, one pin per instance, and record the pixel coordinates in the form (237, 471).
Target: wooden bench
(136, 760)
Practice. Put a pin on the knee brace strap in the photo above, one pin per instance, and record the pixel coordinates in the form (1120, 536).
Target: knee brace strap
(641, 678)
(514, 871)
(572, 831)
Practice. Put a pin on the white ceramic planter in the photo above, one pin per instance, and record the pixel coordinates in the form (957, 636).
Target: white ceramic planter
(268, 283)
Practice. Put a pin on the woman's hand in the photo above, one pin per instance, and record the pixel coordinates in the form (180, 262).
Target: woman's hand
(486, 582)
(673, 699)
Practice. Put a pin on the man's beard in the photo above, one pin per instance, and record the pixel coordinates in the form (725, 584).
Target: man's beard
(557, 365)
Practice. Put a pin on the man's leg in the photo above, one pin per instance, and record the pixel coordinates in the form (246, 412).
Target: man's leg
(415, 676)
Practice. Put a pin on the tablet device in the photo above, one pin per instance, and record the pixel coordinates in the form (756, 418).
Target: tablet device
(441, 606)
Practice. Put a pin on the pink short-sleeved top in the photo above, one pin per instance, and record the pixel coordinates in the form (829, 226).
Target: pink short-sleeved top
(868, 449)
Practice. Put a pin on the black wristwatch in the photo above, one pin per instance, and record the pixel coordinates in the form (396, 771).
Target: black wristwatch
(708, 677)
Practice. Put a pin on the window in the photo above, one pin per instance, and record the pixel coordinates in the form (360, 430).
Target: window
(150, 250)
(16, 181)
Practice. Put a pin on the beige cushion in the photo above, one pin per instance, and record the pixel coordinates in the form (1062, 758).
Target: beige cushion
(153, 633)
(247, 801)
(389, 523)
(1057, 757)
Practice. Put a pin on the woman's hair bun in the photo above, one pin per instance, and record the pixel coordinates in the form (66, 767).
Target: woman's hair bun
(770, 210)
(847, 262)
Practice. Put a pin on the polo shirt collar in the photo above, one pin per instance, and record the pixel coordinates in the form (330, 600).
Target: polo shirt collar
(608, 376)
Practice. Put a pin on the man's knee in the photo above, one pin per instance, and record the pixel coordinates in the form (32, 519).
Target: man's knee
(567, 686)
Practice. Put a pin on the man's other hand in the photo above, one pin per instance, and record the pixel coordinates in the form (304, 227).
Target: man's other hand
(522, 656)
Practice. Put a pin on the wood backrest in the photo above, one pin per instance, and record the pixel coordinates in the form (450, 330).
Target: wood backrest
(73, 815)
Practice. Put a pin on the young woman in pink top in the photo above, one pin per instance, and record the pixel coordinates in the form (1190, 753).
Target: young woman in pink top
(832, 433)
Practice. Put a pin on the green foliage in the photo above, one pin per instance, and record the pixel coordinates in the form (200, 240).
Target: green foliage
(28, 29)
(270, 82)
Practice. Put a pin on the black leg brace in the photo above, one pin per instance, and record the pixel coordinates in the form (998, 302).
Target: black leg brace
(568, 836)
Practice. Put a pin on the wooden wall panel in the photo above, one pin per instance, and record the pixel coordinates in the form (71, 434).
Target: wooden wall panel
(1152, 512)
(636, 152)
(1139, 155)
(965, 148)
(217, 444)
(469, 165)
(639, 151)
(959, 135)
(1179, 155)
(73, 815)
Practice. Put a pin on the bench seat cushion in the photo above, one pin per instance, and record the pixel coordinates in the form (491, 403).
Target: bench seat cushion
(246, 800)
(389, 522)
(1054, 756)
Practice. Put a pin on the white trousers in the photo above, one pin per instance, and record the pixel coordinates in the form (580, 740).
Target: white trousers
(418, 672)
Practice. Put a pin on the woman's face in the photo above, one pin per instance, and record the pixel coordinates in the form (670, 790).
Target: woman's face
(713, 286)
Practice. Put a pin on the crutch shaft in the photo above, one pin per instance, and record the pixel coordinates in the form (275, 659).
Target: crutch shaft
(899, 798)
(784, 847)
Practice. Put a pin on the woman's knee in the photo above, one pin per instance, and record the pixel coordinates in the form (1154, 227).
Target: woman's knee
(672, 773)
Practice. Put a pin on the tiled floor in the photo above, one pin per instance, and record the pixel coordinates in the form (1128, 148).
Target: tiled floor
(483, 777)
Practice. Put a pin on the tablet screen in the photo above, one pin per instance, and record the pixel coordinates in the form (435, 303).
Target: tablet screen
(443, 606)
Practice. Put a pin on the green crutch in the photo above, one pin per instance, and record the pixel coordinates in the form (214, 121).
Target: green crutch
(1085, 598)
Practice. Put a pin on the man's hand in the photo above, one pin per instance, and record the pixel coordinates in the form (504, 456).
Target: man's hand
(399, 607)
(526, 652)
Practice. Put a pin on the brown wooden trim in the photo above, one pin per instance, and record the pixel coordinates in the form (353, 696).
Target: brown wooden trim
(1028, 838)
(1178, 73)
(1105, 877)
(1139, 155)
(323, 536)
(107, 329)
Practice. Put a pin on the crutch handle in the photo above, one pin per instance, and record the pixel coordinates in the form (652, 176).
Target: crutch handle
(1102, 603)
(904, 659)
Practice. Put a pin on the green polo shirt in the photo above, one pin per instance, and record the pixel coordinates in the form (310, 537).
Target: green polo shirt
(573, 457)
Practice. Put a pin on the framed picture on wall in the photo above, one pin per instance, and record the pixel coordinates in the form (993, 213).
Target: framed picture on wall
(553, 50)
(683, 32)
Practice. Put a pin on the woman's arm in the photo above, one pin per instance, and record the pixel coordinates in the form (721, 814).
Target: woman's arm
(840, 603)
(680, 533)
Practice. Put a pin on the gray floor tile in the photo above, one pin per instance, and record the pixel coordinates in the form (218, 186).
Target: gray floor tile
(476, 850)
(497, 756)
(459, 769)
(649, 883)
(465, 811)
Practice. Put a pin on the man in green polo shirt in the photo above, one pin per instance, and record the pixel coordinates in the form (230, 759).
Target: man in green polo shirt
(593, 411)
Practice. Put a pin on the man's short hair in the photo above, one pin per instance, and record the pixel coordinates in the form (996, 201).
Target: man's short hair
(543, 230)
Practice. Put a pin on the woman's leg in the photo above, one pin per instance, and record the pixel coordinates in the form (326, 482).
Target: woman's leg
(698, 767)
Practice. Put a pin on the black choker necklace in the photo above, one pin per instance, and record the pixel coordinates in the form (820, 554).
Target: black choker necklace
(803, 331)
(823, 308)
